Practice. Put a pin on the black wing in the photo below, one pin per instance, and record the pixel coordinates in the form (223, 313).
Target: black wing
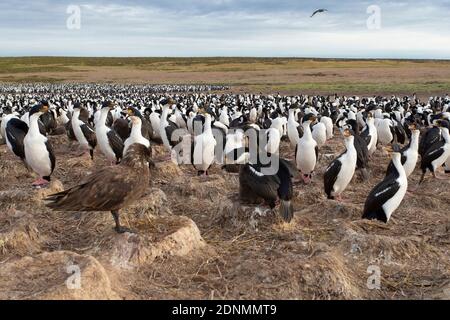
(49, 121)
(362, 152)
(366, 136)
(285, 190)
(400, 133)
(42, 128)
(146, 129)
(300, 131)
(432, 136)
(434, 152)
(116, 143)
(289, 166)
(89, 134)
(379, 195)
(109, 120)
(330, 176)
(120, 126)
(169, 132)
(264, 186)
(16, 130)
(51, 154)
(69, 131)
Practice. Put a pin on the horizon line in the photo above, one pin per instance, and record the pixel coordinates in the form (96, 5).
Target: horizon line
(226, 57)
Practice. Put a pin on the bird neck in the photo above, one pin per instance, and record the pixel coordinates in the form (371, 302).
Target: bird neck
(136, 129)
(349, 145)
(76, 114)
(34, 125)
(207, 124)
(103, 116)
(415, 139)
(164, 114)
(307, 130)
(396, 159)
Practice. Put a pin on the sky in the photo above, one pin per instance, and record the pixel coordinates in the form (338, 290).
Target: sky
(262, 28)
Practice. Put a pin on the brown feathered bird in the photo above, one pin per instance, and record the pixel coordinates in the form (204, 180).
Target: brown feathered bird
(110, 188)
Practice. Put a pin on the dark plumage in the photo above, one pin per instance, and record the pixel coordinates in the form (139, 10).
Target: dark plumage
(16, 130)
(108, 189)
(361, 148)
(318, 11)
(116, 144)
(254, 184)
(122, 128)
(431, 136)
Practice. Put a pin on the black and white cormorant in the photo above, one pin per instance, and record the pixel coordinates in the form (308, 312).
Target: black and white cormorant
(108, 140)
(340, 172)
(438, 153)
(306, 151)
(38, 151)
(386, 196)
(272, 187)
(84, 133)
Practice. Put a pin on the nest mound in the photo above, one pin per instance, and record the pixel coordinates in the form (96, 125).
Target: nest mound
(196, 239)
(19, 235)
(158, 238)
(57, 275)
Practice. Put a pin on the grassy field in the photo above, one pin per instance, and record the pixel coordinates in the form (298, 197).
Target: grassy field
(286, 75)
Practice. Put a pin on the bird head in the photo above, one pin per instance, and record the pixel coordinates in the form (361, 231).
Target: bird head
(132, 111)
(40, 109)
(412, 126)
(108, 104)
(77, 105)
(348, 132)
(310, 117)
(443, 124)
(393, 149)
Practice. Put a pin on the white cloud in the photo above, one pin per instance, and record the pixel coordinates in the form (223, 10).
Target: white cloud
(410, 29)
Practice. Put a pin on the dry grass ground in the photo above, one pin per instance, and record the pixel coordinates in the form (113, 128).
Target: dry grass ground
(195, 240)
(268, 75)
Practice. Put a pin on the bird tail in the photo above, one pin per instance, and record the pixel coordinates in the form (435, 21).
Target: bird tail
(286, 210)
(53, 201)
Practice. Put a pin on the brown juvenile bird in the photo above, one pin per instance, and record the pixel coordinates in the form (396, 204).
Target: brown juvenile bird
(110, 188)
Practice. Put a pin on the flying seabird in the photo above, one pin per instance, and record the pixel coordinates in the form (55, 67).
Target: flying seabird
(318, 11)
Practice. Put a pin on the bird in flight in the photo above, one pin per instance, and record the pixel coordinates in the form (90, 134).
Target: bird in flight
(318, 11)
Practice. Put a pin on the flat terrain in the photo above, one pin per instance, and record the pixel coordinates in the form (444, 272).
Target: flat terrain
(196, 240)
(268, 75)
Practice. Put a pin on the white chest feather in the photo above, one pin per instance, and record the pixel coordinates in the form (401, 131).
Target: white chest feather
(103, 142)
(78, 133)
(204, 146)
(306, 155)
(36, 154)
(345, 175)
(392, 204)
